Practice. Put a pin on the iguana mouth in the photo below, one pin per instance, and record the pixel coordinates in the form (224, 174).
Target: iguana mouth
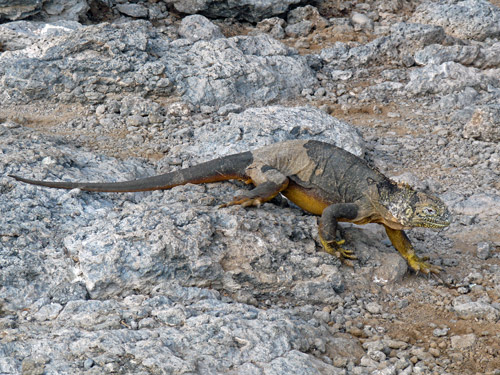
(438, 225)
(434, 223)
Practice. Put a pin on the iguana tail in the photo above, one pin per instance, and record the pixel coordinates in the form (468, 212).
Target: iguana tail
(224, 168)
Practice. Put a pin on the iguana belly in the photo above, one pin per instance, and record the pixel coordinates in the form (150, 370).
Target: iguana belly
(307, 199)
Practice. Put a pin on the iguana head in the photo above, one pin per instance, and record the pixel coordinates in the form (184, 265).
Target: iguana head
(413, 208)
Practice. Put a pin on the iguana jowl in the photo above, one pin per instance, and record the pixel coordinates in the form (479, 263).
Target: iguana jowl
(318, 177)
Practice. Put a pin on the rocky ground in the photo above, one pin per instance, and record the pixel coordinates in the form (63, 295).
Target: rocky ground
(168, 283)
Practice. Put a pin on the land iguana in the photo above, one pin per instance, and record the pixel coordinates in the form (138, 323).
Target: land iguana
(318, 177)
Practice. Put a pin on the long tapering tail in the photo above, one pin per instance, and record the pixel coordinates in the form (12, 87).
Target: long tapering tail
(224, 168)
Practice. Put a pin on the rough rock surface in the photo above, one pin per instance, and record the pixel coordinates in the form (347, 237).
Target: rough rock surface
(167, 282)
(484, 124)
(197, 27)
(15, 9)
(94, 62)
(48, 10)
(468, 19)
(277, 124)
(249, 10)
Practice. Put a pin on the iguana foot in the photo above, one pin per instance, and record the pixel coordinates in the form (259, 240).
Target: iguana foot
(244, 201)
(420, 265)
(334, 248)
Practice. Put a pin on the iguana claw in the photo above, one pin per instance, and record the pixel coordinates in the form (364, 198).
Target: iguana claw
(334, 248)
(420, 265)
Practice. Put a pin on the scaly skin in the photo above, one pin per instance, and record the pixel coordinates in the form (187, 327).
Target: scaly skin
(318, 177)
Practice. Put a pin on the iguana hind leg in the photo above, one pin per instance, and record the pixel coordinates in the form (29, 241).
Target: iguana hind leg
(328, 230)
(262, 193)
(402, 244)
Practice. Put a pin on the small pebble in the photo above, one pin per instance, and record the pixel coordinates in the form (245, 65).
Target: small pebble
(88, 363)
(439, 332)
(483, 250)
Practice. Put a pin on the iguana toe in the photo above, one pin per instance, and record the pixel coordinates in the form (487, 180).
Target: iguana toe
(420, 265)
(347, 254)
(244, 202)
(334, 248)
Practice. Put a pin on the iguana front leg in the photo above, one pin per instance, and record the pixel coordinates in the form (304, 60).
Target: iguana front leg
(402, 244)
(328, 229)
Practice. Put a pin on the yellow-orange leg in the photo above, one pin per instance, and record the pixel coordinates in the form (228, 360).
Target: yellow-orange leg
(328, 230)
(402, 244)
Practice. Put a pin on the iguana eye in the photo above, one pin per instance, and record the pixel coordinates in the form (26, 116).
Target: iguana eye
(428, 211)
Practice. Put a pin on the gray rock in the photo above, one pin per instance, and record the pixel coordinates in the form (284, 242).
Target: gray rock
(373, 308)
(481, 204)
(419, 35)
(450, 77)
(440, 332)
(476, 310)
(307, 13)
(490, 57)
(15, 9)
(361, 21)
(277, 123)
(404, 38)
(86, 51)
(335, 53)
(47, 10)
(240, 70)
(67, 10)
(88, 363)
(133, 10)
(368, 363)
(469, 19)
(324, 289)
(391, 271)
(395, 344)
(273, 26)
(483, 250)
(249, 10)
(484, 124)
(480, 57)
(21, 34)
(437, 54)
(197, 27)
(99, 331)
(68, 291)
(341, 75)
(300, 29)
(461, 342)
(377, 355)
(48, 312)
(460, 100)
(410, 179)
(229, 108)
